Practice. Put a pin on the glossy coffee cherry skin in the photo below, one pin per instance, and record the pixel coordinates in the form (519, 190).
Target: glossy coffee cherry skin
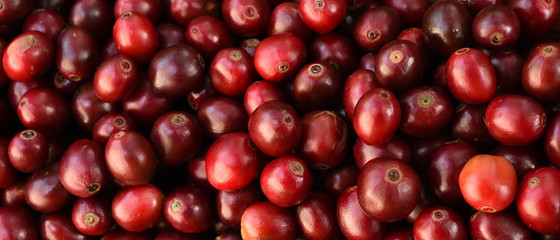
(410, 11)
(27, 56)
(136, 37)
(260, 92)
(44, 191)
(222, 115)
(537, 18)
(399, 65)
(353, 221)
(500, 224)
(92, 216)
(470, 76)
(496, 27)
(115, 79)
(266, 220)
(317, 216)
(232, 162)
(17, 223)
(76, 54)
(59, 226)
(110, 124)
(376, 27)
(509, 114)
(47, 21)
(130, 158)
(468, 125)
(43, 110)
(232, 71)
(396, 147)
(540, 74)
(144, 105)
(440, 222)
(95, 16)
(274, 62)
(355, 86)
(447, 27)
(551, 146)
(279, 23)
(149, 8)
(28, 151)
(286, 181)
(399, 184)
(183, 11)
(176, 137)
(175, 71)
(322, 16)
(377, 107)
(337, 50)
(425, 111)
(323, 143)
(275, 128)
(246, 18)
(82, 170)
(208, 35)
(230, 205)
(316, 85)
(14, 11)
(189, 209)
(138, 208)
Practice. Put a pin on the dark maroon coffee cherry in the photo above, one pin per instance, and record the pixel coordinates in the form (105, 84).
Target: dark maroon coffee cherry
(447, 27)
(28, 151)
(189, 209)
(399, 65)
(76, 54)
(44, 191)
(316, 85)
(17, 223)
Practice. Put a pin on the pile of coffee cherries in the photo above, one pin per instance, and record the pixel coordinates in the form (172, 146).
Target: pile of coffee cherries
(275, 119)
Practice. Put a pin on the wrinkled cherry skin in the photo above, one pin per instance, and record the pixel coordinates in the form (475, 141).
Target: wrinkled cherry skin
(130, 158)
(355, 86)
(537, 17)
(316, 85)
(176, 137)
(44, 110)
(176, 70)
(82, 170)
(280, 23)
(448, 160)
(14, 11)
(388, 189)
(59, 226)
(232, 71)
(447, 27)
(260, 92)
(264, 220)
(538, 200)
(110, 124)
(246, 18)
(551, 145)
(509, 115)
(44, 191)
(286, 181)
(27, 56)
(275, 128)
(377, 116)
(399, 65)
(87, 108)
(208, 35)
(17, 223)
(92, 216)
(222, 115)
(488, 183)
(317, 216)
(540, 76)
(396, 147)
(276, 63)
(115, 79)
(76, 54)
(136, 37)
(337, 50)
(8, 173)
(323, 142)
(440, 222)
(232, 162)
(353, 221)
(508, 66)
(343, 176)
(189, 209)
(504, 224)
(410, 11)
(94, 16)
(496, 27)
(46, 21)
(138, 208)
(322, 16)
(425, 111)
(148, 8)
(144, 105)
(231, 205)
(470, 76)
(27, 151)
(376, 27)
